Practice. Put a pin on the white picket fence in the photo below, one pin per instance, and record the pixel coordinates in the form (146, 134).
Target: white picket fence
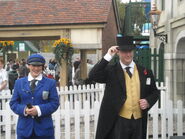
(78, 113)
(166, 121)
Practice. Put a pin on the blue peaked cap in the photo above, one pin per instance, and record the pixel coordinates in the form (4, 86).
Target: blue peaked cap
(36, 59)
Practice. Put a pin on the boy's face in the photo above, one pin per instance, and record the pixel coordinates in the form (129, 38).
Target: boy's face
(35, 71)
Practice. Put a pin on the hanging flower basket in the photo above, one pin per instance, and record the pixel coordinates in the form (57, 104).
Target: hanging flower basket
(6, 46)
(63, 49)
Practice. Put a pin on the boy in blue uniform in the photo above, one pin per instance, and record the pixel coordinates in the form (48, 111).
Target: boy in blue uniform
(34, 99)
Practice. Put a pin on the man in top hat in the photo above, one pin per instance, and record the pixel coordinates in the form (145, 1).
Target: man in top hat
(129, 93)
(34, 99)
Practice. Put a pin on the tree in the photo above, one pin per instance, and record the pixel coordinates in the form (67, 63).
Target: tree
(121, 12)
(134, 18)
(138, 11)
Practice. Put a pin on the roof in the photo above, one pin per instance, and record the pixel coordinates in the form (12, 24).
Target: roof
(55, 12)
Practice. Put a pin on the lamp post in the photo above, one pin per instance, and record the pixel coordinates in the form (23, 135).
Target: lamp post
(154, 19)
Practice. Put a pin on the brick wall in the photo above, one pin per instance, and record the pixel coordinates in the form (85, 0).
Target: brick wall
(109, 32)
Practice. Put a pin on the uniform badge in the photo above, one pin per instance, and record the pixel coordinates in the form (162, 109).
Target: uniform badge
(148, 81)
(45, 95)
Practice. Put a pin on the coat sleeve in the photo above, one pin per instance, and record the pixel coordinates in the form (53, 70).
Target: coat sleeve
(99, 72)
(52, 105)
(15, 104)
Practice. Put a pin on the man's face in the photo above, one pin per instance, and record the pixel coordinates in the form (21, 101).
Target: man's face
(35, 70)
(126, 57)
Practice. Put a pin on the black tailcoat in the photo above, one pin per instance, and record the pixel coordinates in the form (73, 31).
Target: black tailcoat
(115, 94)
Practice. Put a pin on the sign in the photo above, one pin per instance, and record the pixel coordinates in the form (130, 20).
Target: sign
(21, 47)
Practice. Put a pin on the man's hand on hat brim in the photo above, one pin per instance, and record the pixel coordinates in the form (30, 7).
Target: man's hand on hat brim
(113, 50)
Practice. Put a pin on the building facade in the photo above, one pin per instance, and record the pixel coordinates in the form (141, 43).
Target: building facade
(92, 25)
(172, 23)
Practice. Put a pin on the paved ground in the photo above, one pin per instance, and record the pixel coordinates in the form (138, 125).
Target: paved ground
(82, 135)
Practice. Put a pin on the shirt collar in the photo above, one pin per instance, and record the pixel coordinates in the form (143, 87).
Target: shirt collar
(131, 65)
(30, 78)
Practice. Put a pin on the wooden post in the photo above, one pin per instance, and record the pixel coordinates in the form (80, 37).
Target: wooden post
(83, 65)
(63, 73)
(64, 66)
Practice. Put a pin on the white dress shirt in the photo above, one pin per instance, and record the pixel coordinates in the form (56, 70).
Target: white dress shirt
(108, 58)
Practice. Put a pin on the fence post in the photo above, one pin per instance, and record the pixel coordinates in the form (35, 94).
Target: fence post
(67, 120)
(57, 124)
(77, 120)
(7, 121)
(87, 119)
(179, 118)
(155, 121)
(170, 118)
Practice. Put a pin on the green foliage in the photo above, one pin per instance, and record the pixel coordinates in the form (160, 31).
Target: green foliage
(121, 12)
(138, 18)
(134, 18)
(6, 46)
(63, 50)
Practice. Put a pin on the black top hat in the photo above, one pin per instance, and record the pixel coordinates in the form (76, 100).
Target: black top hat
(125, 43)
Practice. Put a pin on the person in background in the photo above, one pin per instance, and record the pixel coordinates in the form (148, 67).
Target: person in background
(23, 70)
(34, 100)
(17, 64)
(9, 65)
(77, 77)
(74, 68)
(52, 64)
(76, 64)
(69, 67)
(3, 83)
(129, 93)
(89, 65)
(12, 77)
(3, 76)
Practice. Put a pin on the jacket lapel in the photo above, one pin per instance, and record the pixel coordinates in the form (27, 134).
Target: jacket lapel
(120, 76)
(26, 85)
(40, 84)
(142, 79)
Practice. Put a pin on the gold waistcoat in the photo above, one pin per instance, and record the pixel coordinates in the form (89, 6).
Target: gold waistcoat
(131, 105)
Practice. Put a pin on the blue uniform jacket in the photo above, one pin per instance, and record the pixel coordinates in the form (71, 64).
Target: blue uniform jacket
(45, 96)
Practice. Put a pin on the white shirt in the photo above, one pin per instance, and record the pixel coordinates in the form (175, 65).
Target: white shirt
(108, 57)
(38, 78)
(3, 77)
(131, 65)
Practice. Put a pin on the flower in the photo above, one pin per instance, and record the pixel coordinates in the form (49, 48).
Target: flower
(63, 50)
(145, 72)
(6, 45)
